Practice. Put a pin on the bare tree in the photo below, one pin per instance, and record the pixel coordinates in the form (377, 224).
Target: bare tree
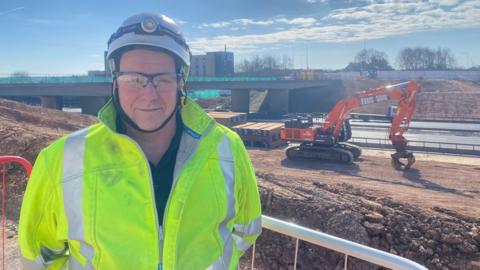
(266, 64)
(422, 58)
(368, 62)
(20, 74)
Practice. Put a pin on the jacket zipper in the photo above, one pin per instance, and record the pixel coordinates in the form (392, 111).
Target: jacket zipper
(159, 229)
(168, 201)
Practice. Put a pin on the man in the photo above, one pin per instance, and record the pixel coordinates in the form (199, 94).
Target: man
(156, 184)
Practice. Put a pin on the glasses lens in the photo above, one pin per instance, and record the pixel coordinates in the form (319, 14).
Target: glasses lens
(166, 82)
(132, 80)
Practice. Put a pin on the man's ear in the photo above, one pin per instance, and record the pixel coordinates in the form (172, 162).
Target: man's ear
(114, 85)
(181, 84)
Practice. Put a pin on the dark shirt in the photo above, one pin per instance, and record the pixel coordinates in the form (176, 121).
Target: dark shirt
(162, 173)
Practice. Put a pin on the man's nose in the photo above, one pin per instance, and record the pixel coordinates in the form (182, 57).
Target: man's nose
(150, 90)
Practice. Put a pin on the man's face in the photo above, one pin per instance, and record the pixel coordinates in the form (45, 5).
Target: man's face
(147, 106)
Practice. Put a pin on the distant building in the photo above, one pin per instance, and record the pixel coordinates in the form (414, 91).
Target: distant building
(198, 66)
(222, 63)
(213, 64)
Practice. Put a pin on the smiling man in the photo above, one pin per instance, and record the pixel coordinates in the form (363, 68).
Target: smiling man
(156, 184)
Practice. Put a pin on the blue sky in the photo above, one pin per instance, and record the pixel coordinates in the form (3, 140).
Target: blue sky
(69, 37)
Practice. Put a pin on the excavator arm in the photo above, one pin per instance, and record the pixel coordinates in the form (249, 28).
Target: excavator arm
(400, 123)
(405, 93)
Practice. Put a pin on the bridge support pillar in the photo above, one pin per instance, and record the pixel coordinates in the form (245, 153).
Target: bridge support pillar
(241, 101)
(91, 105)
(277, 102)
(52, 102)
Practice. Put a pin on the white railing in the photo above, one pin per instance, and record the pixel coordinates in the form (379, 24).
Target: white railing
(346, 247)
(424, 146)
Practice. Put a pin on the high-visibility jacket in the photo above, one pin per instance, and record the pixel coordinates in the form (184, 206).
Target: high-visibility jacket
(89, 203)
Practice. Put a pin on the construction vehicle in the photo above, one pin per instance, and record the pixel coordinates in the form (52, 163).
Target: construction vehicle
(328, 141)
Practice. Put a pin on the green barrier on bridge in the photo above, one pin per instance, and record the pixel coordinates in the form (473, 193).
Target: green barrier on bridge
(205, 94)
(107, 79)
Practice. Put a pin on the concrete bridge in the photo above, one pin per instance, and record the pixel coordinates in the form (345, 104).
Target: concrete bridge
(283, 96)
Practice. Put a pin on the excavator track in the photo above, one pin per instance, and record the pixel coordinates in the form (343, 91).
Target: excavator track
(319, 152)
(355, 150)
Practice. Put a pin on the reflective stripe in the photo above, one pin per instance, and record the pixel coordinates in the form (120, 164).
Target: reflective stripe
(73, 263)
(241, 231)
(225, 158)
(47, 256)
(37, 264)
(254, 227)
(73, 159)
(242, 245)
(188, 146)
(50, 255)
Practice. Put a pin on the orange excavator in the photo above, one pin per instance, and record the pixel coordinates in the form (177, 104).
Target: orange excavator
(328, 141)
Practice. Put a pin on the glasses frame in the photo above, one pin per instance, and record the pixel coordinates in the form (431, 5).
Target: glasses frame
(150, 77)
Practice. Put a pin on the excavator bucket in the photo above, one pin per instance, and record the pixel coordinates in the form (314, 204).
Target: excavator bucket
(411, 160)
(398, 165)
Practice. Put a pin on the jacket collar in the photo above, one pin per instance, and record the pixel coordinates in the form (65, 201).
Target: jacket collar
(195, 120)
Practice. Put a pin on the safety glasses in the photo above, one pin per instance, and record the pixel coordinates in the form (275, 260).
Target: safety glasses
(163, 82)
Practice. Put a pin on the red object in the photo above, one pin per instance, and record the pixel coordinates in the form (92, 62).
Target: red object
(405, 93)
(298, 134)
(28, 168)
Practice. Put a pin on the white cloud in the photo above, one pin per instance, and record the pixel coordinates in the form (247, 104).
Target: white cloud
(180, 22)
(316, 1)
(302, 21)
(372, 21)
(246, 22)
(214, 25)
(11, 10)
(41, 21)
(446, 2)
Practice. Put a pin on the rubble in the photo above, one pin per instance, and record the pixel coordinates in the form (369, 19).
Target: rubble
(371, 204)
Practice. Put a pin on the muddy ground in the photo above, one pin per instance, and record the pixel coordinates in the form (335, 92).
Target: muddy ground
(429, 214)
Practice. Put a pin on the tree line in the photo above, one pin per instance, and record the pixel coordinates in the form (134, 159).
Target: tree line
(366, 61)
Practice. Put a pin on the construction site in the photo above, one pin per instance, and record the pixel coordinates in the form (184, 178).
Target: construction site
(423, 204)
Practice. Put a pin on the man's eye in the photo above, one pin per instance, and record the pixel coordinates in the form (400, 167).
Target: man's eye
(137, 80)
(165, 79)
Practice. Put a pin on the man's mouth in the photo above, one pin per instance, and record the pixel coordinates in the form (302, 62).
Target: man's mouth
(149, 109)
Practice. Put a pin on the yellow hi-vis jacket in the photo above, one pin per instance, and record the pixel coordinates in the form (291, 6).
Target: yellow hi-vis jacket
(90, 203)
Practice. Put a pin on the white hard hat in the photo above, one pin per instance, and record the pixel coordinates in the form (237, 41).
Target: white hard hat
(150, 29)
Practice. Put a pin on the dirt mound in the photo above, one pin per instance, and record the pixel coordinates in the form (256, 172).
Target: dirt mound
(438, 99)
(449, 86)
(25, 129)
(429, 214)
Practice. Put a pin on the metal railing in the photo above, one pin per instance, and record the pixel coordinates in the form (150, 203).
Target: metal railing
(425, 146)
(4, 161)
(346, 247)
